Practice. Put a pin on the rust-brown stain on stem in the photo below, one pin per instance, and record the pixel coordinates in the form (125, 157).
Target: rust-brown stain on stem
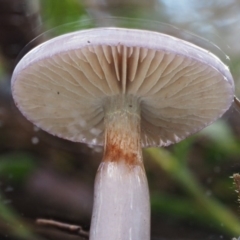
(123, 145)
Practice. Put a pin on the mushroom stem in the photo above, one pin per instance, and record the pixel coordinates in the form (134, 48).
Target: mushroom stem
(121, 200)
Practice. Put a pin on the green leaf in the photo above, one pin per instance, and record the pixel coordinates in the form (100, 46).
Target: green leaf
(17, 165)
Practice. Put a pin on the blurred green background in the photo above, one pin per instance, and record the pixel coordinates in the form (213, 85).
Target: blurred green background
(41, 176)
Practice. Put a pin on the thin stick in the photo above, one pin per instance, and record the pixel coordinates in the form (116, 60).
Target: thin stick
(237, 101)
(64, 226)
(236, 178)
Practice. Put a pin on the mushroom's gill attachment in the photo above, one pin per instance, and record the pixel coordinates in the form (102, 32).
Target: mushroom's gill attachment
(121, 200)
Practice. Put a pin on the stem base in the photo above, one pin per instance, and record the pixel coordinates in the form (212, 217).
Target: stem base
(121, 203)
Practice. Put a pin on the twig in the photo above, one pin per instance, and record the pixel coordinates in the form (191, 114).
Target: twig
(236, 179)
(237, 101)
(74, 229)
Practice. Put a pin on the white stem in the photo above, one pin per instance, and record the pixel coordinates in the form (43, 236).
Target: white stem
(121, 203)
(121, 208)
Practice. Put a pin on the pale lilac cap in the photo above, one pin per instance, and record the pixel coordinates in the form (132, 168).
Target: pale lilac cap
(63, 84)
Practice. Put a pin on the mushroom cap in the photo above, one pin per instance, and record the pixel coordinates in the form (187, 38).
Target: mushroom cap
(63, 84)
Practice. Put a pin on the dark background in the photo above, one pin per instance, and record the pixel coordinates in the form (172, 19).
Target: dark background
(44, 177)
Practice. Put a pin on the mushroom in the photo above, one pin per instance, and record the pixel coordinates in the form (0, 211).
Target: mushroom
(124, 89)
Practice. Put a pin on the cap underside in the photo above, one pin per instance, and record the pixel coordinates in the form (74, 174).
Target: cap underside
(64, 91)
